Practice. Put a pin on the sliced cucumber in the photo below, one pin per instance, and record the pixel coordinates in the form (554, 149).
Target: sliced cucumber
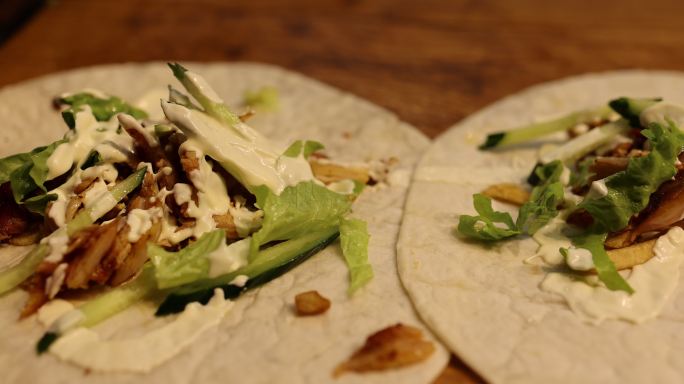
(271, 263)
(631, 109)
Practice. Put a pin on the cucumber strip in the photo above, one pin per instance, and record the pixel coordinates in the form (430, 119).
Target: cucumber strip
(271, 263)
(101, 308)
(15, 275)
(536, 130)
(216, 110)
(581, 145)
(631, 109)
(105, 203)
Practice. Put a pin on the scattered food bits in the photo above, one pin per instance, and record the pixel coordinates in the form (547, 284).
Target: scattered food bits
(311, 303)
(393, 347)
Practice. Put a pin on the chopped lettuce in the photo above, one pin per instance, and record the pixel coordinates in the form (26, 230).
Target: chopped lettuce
(102, 108)
(580, 178)
(354, 242)
(534, 214)
(604, 266)
(187, 265)
(544, 199)
(483, 227)
(265, 98)
(629, 190)
(27, 172)
(298, 210)
(304, 148)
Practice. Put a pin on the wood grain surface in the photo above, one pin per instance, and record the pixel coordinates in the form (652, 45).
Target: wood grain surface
(432, 62)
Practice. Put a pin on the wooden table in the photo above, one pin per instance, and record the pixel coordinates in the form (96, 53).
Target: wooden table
(432, 62)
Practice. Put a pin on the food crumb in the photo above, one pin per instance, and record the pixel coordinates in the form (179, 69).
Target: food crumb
(311, 303)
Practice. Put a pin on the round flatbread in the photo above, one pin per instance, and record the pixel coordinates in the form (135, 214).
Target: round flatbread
(260, 340)
(484, 302)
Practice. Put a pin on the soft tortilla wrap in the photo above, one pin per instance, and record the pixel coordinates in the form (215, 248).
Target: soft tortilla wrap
(260, 340)
(482, 301)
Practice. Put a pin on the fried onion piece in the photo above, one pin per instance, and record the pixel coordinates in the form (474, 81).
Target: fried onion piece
(508, 193)
(633, 255)
(311, 303)
(329, 172)
(393, 347)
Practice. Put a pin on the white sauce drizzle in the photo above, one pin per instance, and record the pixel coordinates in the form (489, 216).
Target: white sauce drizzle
(140, 221)
(85, 348)
(653, 282)
(343, 187)
(55, 281)
(248, 155)
(228, 258)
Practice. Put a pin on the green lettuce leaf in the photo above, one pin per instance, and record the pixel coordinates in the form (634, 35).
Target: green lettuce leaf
(544, 199)
(354, 242)
(304, 148)
(604, 266)
(629, 191)
(32, 173)
(582, 174)
(483, 227)
(187, 265)
(103, 109)
(298, 210)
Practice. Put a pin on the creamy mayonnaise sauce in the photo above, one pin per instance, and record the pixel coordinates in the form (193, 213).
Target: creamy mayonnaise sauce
(228, 258)
(140, 221)
(85, 348)
(654, 283)
(245, 153)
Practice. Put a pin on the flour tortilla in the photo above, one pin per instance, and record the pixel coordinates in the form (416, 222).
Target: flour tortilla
(260, 340)
(483, 302)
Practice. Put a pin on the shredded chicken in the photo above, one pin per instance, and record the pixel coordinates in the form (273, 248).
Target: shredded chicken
(393, 347)
(311, 303)
(87, 258)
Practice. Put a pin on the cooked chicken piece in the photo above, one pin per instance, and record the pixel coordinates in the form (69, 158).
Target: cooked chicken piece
(120, 249)
(227, 223)
(508, 193)
(393, 347)
(606, 166)
(35, 287)
(83, 185)
(329, 172)
(30, 236)
(149, 150)
(311, 303)
(132, 263)
(82, 266)
(14, 219)
(189, 162)
(665, 208)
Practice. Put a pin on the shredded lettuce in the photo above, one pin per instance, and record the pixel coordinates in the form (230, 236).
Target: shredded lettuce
(103, 109)
(604, 266)
(544, 199)
(580, 178)
(298, 210)
(354, 242)
(304, 148)
(483, 227)
(534, 214)
(629, 190)
(27, 173)
(187, 265)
